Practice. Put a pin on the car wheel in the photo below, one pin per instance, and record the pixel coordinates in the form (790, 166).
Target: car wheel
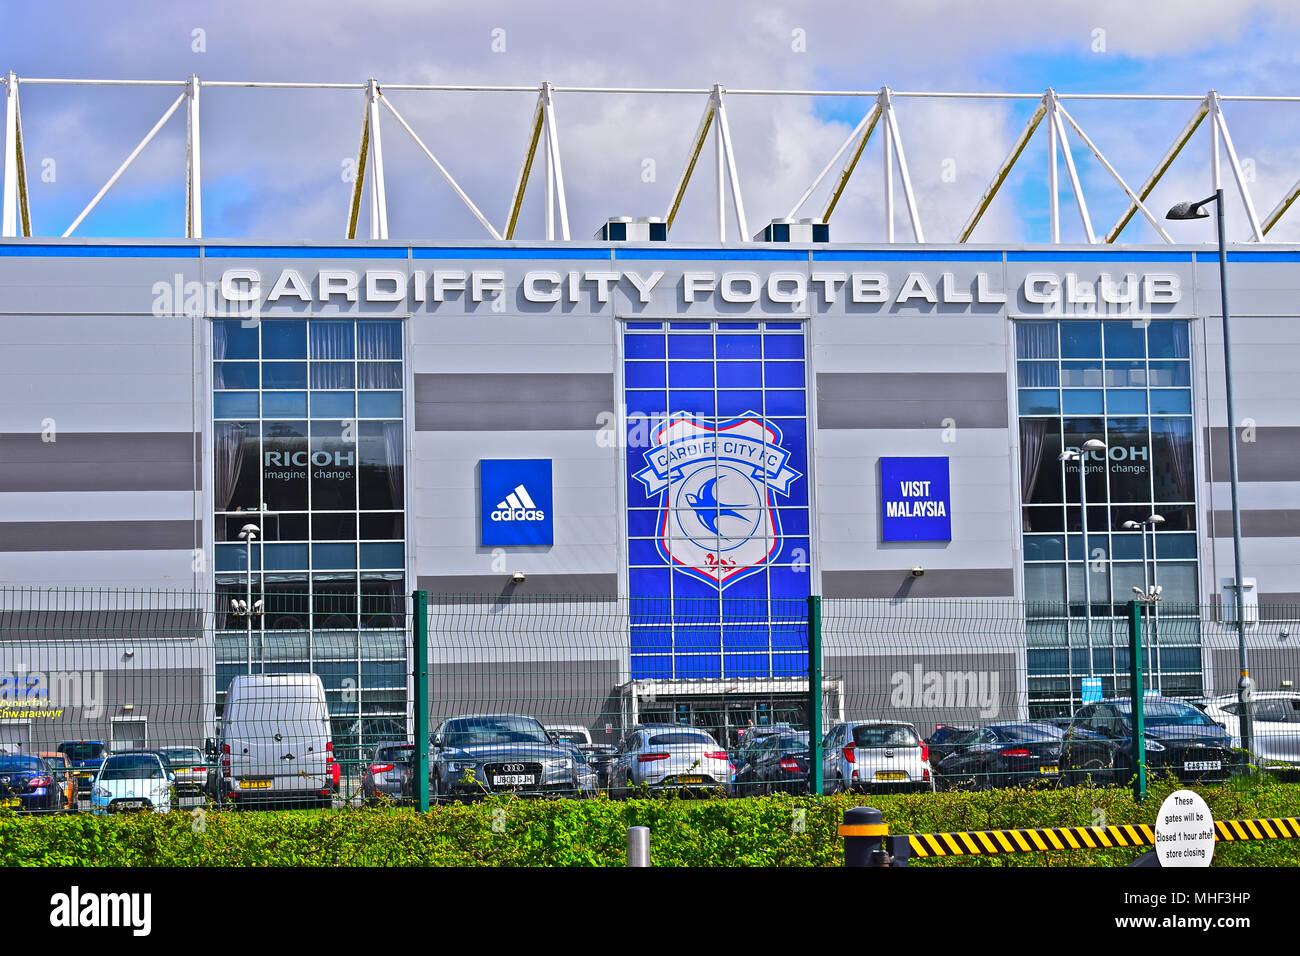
(1094, 768)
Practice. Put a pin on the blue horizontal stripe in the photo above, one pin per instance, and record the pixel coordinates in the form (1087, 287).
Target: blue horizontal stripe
(112, 252)
(772, 255)
(305, 252)
(1255, 257)
(920, 255)
(1120, 255)
(595, 255)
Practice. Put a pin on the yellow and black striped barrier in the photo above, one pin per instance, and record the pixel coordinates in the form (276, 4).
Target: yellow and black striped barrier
(896, 849)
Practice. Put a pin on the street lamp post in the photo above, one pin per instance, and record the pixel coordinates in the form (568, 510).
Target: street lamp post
(1081, 456)
(1150, 585)
(1196, 210)
(249, 533)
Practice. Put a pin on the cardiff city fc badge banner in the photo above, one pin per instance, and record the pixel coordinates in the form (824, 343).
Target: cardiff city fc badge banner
(717, 487)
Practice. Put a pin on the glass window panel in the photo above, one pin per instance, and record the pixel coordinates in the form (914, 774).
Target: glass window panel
(234, 375)
(1127, 575)
(284, 465)
(284, 405)
(333, 526)
(234, 557)
(1168, 339)
(383, 600)
(1037, 401)
(284, 375)
(1081, 374)
(1129, 458)
(1044, 547)
(778, 374)
(1126, 374)
(1178, 579)
(331, 340)
(382, 526)
(285, 557)
(1077, 431)
(1036, 340)
(1175, 545)
(287, 605)
(333, 467)
(1172, 401)
(382, 556)
(650, 346)
(1125, 339)
(232, 339)
(234, 405)
(333, 404)
(379, 340)
(284, 339)
(1044, 519)
(331, 556)
(1127, 547)
(645, 375)
(379, 375)
(333, 375)
(690, 346)
(334, 601)
(379, 404)
(1175, 474)
(1126, 401)
(1037, 375)
(739, 346)
(1081, 401)
(379, 448)
(690, 375)
(1080, 339)
(1045, 584)
(1171, 374)
(1040, 467)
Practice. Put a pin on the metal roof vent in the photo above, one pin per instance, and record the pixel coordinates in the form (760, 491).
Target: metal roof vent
(795, 230)
(627, 229)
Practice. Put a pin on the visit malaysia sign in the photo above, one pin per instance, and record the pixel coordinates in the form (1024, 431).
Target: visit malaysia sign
(915, 502)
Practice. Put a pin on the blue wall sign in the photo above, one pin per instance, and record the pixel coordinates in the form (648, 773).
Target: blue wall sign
(516, 506)
(915, 504)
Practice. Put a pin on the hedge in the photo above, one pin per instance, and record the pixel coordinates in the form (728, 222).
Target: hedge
(500, 831)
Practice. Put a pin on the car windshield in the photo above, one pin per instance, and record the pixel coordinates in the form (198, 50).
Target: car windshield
(1029, 732)
(184, 755)
(403, 754)
(792, 742)
(21, 764)
(681, 737)
(1166, 713)
(889, 735)
(131, 767)
(83, 751)
(490, 731)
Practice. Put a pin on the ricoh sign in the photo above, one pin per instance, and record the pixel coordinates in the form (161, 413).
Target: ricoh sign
(243, 290)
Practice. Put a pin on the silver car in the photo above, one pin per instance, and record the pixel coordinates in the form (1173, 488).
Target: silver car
(669, 756)
(881, 755)
(481, 754)
(189, 766)
(1276, 717)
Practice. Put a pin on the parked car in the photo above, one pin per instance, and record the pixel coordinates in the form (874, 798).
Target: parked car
(588, 780)
(574, 734)
(1003, 755)
(479, 754)
(1179, 739)
(750, 739)
(61, 767)
(875, 755)
(139, 780)
(600, 757)
(390, 775)
(670, 756)
(779, 763)
(189, 766)
(86, 756)
(28, 785)
(1276, 717)
(274, 747)
(948, 739)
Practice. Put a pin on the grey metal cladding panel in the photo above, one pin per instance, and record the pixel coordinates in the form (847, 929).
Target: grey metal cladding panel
(910, 400)
(102, 461)
(128, 624)
(89, 283)
(925, 689)
(1262, 523)
(100, 535)
(940, 582)
(530, 401)
(537, 585)
(1274, 455)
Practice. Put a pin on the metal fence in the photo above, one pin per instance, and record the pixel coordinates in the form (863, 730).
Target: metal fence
(619, 695)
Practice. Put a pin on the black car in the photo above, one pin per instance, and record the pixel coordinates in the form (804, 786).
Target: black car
(1179, 740)
(28, 785)
(493, 753)
(600, 757)
(948, 739)
(778, 763)
(1003, 755)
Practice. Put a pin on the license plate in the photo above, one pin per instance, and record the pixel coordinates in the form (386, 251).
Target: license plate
(1203, 765)
(254, 784)
(514, 780)
(890, 775)
(686, 780)
(10, 802)
(1049, 769)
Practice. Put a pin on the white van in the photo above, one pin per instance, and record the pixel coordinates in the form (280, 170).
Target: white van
(274, 743)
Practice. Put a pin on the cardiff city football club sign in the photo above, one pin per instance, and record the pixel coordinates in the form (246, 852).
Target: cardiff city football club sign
(717, 519)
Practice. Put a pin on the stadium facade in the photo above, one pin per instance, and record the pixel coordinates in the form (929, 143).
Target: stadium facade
(622, 421)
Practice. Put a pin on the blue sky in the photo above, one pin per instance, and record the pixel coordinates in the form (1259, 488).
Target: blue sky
(274, 161)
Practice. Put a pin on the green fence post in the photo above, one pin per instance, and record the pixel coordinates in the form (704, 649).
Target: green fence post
(1137, 694)
(420, 633)
(815, 693)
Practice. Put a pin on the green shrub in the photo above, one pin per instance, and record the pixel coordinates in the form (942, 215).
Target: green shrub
(501, 831)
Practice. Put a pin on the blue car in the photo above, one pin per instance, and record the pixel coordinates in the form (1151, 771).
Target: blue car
(85, 757)
(28, 785)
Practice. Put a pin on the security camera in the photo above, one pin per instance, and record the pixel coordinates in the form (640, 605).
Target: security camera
(519, 577)
(918, 572)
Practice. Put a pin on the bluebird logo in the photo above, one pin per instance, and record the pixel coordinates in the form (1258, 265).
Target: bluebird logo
(516, 502)
(715, 483)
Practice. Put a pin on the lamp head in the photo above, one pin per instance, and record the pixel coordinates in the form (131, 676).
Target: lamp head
(1189, 210)
(1156, 519)
(1131, 525)
(1092, 444)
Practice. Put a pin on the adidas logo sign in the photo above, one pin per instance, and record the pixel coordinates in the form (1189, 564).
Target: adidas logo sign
(518, 506)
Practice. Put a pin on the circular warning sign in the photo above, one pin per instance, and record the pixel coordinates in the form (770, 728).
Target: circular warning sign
(1185, 830)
